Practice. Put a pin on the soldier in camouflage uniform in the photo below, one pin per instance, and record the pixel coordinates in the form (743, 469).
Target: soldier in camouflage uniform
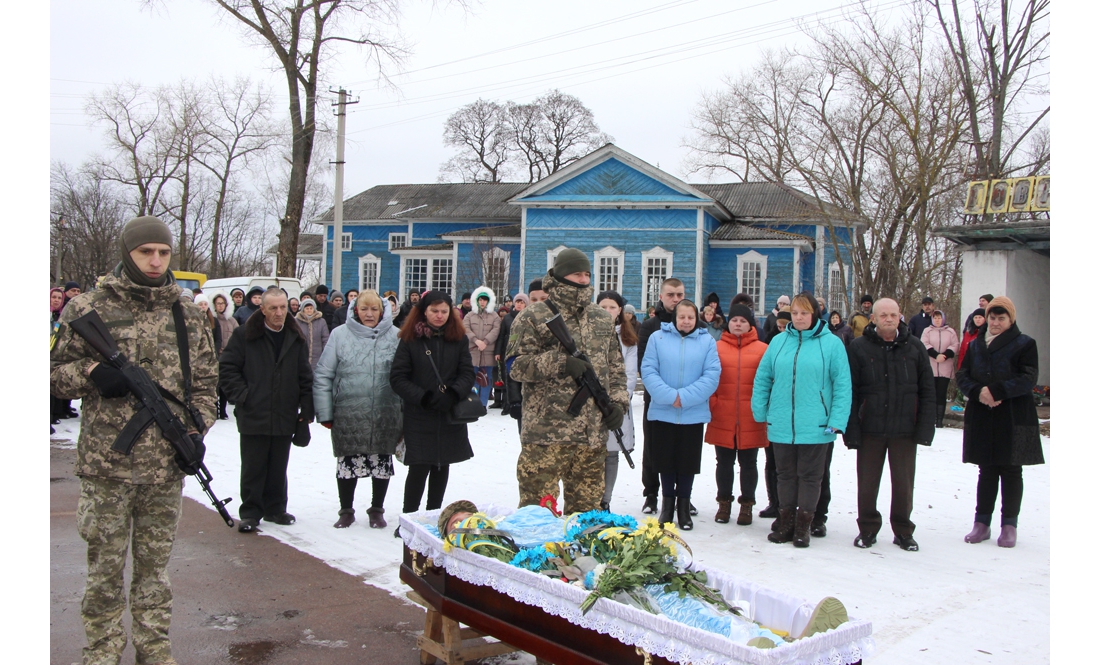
(142, 490)
(555, 444)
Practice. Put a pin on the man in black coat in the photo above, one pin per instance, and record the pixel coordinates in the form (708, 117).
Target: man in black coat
(672, 292)
(893, 410)
(251, 304)
(323, 305)
(923, 318)
(411, 298)
(265, 373)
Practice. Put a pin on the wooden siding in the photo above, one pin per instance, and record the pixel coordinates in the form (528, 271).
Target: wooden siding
(722, 277)
(612, 180)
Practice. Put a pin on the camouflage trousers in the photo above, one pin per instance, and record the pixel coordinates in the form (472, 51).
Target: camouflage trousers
(579, 467)
(113, 517)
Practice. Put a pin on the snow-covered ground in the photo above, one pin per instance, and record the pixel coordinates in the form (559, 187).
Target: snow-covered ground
(950, 602)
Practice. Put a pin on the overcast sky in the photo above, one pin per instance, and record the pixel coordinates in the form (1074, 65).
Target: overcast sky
(640, 65)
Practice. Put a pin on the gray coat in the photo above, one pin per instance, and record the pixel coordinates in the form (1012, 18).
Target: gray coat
(315, 330)
(352, 389)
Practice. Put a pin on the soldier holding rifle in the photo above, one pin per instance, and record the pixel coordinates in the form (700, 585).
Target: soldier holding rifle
(133, 501)
(559, 441)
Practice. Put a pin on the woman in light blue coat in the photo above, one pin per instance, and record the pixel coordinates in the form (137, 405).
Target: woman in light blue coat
(613, 303)
(803, 390)
(680, 370)
(352, 397)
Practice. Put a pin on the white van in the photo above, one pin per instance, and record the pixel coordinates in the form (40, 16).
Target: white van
(212, 287)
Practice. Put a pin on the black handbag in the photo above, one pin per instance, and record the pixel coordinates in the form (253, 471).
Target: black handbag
(466, 410)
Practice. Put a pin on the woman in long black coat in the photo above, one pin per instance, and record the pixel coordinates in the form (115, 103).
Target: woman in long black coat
(431, 332)
(1001, 426)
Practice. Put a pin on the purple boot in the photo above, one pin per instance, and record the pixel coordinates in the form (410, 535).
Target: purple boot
(1007, 537)
(981, 532)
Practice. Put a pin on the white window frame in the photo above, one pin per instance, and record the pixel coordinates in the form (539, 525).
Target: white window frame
(363, 262)
(753, 256)
(432, 270)
(552, 255)
(433, 275)
(843, 309)
(654, 253)
(608, 252)
(403, 238)
(345, 242)
(492, 255)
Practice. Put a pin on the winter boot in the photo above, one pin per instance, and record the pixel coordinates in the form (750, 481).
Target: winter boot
(744, 518)
(802, 522)
(1007, 537)
(692, 509)
(979, 533)
(347, 517)
(786, 527)
(668, 507)
(817, 528)
(375, 517)
(770, 511)
(650, 505)
(683, 514)
(723, 514)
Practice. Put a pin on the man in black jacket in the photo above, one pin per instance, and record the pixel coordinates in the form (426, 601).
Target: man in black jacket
(923, 318)
(672, 292)
(411, 298)
(893, 410)
(265, 373)
(251, 304)
(320, 294)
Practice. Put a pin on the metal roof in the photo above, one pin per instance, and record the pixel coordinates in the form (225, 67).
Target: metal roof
(437, 247)
(736, 231)
(509, 231)
(309, 244)
(446, 200)
(771, 201)
(1033, 234)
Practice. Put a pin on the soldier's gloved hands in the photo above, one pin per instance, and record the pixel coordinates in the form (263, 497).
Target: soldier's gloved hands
(200, 452)
(614, 420)
(109, 380)
(575, 367)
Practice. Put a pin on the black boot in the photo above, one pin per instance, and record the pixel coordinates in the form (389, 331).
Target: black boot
(939, 421)
(683, 514)
(802, 522)
(668, 506)
(650, 505)
(769, 511)
(785, 532)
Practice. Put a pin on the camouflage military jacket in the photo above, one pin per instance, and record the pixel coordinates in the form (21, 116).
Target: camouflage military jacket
(140, 320)
(540, 365)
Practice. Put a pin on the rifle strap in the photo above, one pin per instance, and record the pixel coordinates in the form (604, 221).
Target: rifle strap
(185, 366)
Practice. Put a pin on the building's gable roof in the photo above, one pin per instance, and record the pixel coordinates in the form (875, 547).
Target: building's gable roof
(454, 200)
(736, 231)
(611, 174)
(774, 202)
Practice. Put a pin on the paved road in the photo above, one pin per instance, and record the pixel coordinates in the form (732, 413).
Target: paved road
(240, 599)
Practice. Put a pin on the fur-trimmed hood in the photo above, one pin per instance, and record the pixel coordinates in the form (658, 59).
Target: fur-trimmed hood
(492, 307)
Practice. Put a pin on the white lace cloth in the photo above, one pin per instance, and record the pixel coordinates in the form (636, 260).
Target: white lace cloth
(656, 634)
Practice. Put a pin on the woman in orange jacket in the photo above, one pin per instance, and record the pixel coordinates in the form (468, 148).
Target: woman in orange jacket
(732, 430)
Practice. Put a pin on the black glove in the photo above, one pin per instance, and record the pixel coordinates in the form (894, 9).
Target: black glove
(301, 434)
(575, 367)
(613, 420)
(110, 381)
(200, 452)
(446, 401)
(852, 443)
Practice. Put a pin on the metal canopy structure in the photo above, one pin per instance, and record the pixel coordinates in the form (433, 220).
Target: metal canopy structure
(1033, 234)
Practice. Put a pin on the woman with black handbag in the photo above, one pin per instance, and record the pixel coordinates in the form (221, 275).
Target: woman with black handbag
(432, 372)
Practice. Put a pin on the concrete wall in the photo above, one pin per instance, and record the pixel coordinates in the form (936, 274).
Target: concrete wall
(1024, 277)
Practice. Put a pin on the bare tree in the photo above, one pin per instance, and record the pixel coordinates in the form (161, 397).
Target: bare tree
(89, 212)
(479, 131)
(300, 34)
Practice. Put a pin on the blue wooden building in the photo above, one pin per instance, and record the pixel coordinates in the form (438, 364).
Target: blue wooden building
(638, 224)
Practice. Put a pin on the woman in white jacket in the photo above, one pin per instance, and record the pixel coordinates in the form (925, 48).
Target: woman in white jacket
(613, 304)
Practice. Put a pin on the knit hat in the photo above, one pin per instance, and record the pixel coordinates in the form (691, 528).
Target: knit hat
(137, 232)
(784, 313)
(334, 294)
(320, 290)
(1002, 302)
(628, 308)
(744, 312)
(867, 298)
(71, 285)
(569, 261)
(187, 293)
(431, 297)
(236, 289)
(521, 297)
(988, 297)
(783, 300)
(308, 301)
(465, 296)
(535, 285)
(202, 298)
(614, 295)
(460, 506)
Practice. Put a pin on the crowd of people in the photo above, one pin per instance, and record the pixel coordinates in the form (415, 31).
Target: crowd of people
(392, 381)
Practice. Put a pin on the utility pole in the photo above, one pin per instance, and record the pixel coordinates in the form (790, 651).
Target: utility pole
(60, 247)
(338, 207)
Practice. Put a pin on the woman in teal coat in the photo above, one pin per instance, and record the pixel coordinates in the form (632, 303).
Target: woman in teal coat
(803, 390)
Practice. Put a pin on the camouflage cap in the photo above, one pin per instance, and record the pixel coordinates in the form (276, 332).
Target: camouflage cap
(460, 506)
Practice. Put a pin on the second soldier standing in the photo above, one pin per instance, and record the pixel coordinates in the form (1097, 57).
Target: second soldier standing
(556, 444)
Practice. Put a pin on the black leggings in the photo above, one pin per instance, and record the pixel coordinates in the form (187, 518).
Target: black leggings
(677, 484)
(723, 471)
(1010, 478)
(941, 396)
(346, 488)
(436, 477)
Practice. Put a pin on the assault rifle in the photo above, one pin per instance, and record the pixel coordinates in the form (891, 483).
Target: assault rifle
(588, 385)
(154, 409)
